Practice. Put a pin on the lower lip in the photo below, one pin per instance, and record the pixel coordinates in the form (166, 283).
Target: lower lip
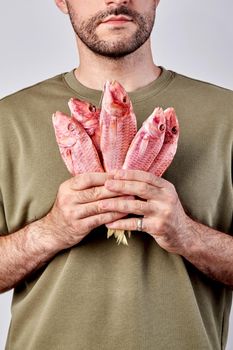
(118, 22)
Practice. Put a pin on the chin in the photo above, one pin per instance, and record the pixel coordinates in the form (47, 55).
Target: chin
(111, 33)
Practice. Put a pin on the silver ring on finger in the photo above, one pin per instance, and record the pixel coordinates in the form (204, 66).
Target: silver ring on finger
(139, 224)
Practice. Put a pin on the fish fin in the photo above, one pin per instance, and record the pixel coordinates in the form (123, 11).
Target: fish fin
(120, 237)
(67, 141)
(110, 232)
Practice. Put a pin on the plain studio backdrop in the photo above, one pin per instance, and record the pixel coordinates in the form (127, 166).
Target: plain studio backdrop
(194, 38)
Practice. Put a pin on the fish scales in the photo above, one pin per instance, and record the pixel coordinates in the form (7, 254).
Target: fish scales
(118, 125)
(114, 132)
(76, 147)
(67, 158)
(147, 142)
(84, 155)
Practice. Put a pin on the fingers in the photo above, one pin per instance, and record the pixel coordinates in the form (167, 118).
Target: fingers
(131, 224)
(97, 220)
(126, 224)
(139, 183)
(94, 194)
(86, 188)
(126, 205)
(88, 180)
(91, 209)
(140, 189)
(139, 175)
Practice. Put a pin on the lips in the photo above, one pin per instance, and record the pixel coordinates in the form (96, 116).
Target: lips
(115, 19)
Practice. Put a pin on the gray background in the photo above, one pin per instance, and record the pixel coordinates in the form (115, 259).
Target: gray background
(191, 37)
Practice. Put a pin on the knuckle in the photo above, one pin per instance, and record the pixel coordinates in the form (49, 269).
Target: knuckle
(171, 199)
(95, 222)
(98, 208)
(123, 205)
(90, 194)
(151, 178)
(95, 192)
(66, 213)
(83, 196)
(149, 206)
(63, 187)
(62, 200)
(90, 225)
(154, 228)
(75, 180)
(171, 187)
(167, 213)
(144, 189)
(82, 180)
(86, 195)
(139, 205)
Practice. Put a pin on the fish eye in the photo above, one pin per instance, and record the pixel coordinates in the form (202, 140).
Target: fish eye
(162, 127)
(71, 127)
(174, 130)
(92, 108)
(124, 99)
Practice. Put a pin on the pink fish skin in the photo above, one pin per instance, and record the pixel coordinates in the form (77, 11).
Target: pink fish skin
(168, 150)
(88, 115)
(76, 147)
(147, 142)
(118, 125)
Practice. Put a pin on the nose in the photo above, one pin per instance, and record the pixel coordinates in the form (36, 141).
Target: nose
(117, 2)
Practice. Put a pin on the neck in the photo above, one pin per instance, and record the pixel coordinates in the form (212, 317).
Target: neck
(133, 71)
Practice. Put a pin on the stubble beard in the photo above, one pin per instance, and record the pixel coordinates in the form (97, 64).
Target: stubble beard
(117, 48)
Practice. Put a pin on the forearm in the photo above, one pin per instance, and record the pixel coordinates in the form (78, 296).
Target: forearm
(210, 251)
(23, 252)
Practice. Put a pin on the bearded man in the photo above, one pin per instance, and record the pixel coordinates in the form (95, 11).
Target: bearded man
(73, 288)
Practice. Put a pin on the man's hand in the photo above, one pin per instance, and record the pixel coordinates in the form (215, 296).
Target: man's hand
(163, 215)
(75, 213)
(77, 209)
(165, 219)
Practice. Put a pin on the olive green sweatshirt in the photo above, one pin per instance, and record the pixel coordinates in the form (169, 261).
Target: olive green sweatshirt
(98, 295)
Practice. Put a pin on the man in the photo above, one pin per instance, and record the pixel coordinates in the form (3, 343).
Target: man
(74, 289)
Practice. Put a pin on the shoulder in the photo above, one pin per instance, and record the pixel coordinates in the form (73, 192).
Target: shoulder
(202, 89)
(28, 95)
(197, 97)
(33, 105)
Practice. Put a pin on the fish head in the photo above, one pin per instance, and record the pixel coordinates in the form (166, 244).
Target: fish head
(83, 109)
(116, 100)
(85, 112)
(172, 125)
(65, 129)
(155, 125)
